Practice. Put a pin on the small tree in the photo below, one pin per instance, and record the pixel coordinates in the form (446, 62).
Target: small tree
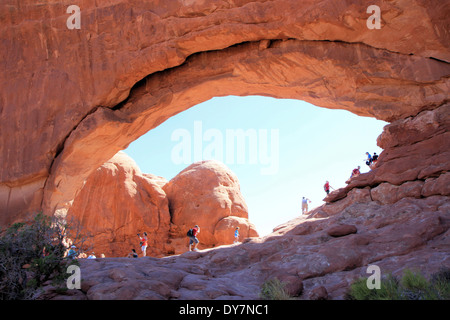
(32, 253)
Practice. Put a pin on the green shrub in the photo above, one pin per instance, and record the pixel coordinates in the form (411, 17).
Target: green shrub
(412, 286)
(440, 282)
(274, 289)
(388, 290)
(32, 253)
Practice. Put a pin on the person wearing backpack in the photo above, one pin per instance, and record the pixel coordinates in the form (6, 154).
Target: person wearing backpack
(374, 158)
(327, 187)
(193, 240)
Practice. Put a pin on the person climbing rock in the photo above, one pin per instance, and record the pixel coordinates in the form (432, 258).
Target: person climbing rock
(374, 159)
(193, 240)
(327, 187)
(369, 159)
(356, 172)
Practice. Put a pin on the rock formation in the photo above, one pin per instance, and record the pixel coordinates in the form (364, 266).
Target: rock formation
(414, 162)
(118, 201)
(86, 93)
(71, 99)
(318, 258)
(395, 217)
(208, 194)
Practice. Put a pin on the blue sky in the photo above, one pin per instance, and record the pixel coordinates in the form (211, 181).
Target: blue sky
(299, 146)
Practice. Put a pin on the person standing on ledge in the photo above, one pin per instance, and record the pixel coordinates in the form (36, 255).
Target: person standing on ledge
(236, 235)
(143, 243)
(305, 205)
(193, 240)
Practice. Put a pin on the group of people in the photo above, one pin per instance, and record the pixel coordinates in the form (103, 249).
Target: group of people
(192, 235)
(193, 241)
(74, 254)
(143, 243)
(370, 161)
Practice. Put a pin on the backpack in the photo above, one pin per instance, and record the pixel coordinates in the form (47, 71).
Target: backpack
(190, 233)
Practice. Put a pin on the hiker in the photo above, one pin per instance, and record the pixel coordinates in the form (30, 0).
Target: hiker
(374, 158)
(305, 205)
(355, 172)
(72, 253)
(327, 187)
(236, 235)
(132, 254)
(92, 256)
(143, 243)
(192, 234)
(369, 159)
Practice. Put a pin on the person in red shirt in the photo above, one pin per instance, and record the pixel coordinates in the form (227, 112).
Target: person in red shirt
(355, 172)
(327, 187)
(193, 240)
(144, 243)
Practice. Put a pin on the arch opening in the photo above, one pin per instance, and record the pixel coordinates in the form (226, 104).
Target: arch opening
(327, 74)
(280, 150)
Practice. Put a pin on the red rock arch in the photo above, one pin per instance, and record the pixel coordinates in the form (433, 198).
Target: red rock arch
(72, 98)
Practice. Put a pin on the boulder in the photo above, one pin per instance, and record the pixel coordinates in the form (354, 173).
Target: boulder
(117, 202)
(387, 193)
(225, 228)
(341, 230)
(203, 194)
(318, 293)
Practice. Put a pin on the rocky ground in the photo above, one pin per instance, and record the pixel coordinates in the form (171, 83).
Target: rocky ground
(317, 257)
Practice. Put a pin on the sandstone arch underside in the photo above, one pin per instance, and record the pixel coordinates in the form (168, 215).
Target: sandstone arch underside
(71, 99)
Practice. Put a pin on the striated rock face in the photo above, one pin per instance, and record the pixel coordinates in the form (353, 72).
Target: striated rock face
(68, 95)
(118, 201)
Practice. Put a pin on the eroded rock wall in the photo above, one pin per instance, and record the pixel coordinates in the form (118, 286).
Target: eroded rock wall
(71, 99)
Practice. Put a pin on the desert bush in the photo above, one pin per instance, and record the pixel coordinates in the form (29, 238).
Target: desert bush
(274, 289)
(412, 286)
(31, 254)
